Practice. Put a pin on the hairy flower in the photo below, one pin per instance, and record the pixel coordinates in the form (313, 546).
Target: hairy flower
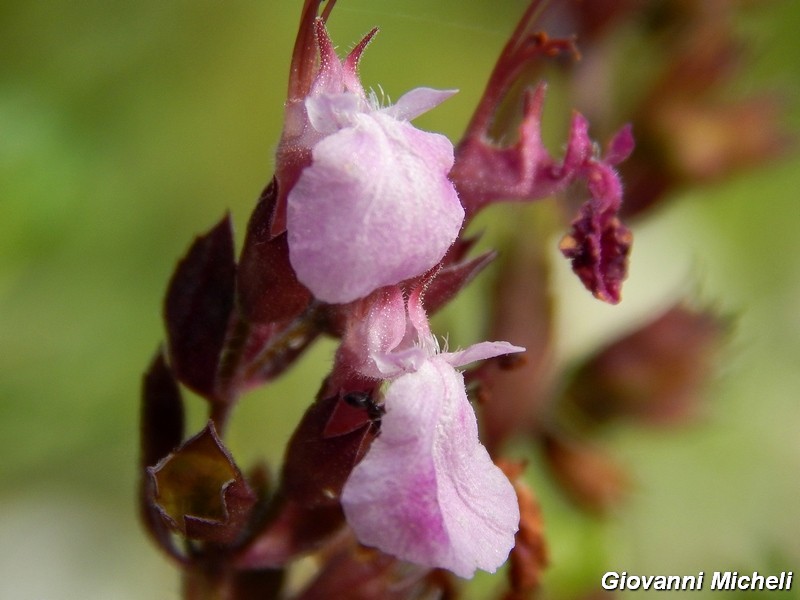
(375, 206)
(427, 490)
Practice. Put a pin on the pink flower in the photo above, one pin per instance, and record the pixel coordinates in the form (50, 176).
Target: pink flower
(375, 206)
(427, 490)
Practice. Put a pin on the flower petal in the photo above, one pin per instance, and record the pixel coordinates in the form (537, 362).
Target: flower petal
(328, 113)
(377, 326)
(416, 102)
(374, 340)
(374, 208)
(480, 352)
(427, 490)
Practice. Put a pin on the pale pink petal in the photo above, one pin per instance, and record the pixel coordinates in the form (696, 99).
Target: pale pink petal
(418, 330)
(374, 208)
(479, 352)
(384, 324)
(394, 364)
(328, 113)
(427, 491)
(416, 102)
(376, 327)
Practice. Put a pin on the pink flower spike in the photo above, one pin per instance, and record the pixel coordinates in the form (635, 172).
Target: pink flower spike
(427, 490)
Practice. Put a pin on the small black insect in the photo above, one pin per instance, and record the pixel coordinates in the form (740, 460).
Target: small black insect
(364, 401)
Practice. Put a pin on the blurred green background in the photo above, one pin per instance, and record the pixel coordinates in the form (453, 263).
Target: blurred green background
(127, 128)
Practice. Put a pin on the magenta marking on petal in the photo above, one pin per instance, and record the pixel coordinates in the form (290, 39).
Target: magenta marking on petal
(390, 497)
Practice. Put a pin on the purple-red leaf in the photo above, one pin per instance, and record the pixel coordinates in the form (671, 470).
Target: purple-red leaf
(654, 374)
(161, 431)
(198, 307)
(314, 473)
(153, 521)
(450, 280)
(317, 466)
(162, 412)
(265, 351)
(200, 491)
(345, 419)
(268, 289)
(292, 530)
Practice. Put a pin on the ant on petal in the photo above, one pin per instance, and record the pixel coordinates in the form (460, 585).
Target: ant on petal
(364, 401)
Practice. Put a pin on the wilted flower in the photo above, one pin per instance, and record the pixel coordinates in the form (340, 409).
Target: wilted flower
(427, 490)
(375, 206)
(599, 243)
